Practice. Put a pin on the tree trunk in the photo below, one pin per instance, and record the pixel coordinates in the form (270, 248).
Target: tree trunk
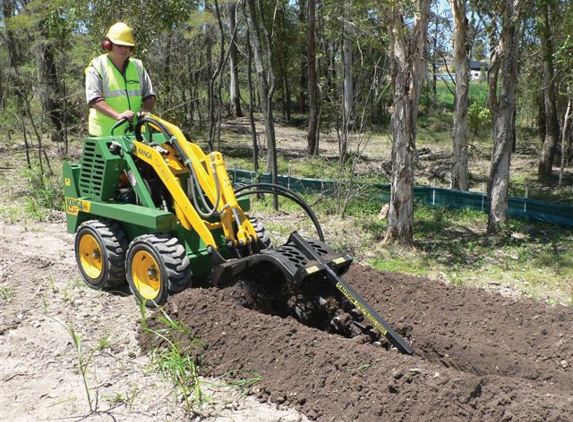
(461, 57)
(234, 91)
(52, 98)
(216, 77)
(303, 75)
(348, 94)
(265, 77)
(407, 75)
(13, 56)
(210, 86)
(435, 61)
(564, 134)
(551, 138)
(312, 137)
(51, 92)
(504, 119)
(493, 71)
(252, 103)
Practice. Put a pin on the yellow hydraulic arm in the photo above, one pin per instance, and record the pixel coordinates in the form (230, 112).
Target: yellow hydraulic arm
(208, 176)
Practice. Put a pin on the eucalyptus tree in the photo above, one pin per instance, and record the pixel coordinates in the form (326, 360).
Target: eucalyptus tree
(353, 70)
(407, 45)
(440, 34)
(287, 56)
(313, 129)
(548, 22)
(41, 47)
(462, 51)
(14, 56)
(234, 85)
(348, 82)
(564, 75)
(503, 106)
(263, 57)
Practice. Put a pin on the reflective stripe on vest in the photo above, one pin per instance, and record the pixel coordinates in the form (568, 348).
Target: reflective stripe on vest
(121, 92)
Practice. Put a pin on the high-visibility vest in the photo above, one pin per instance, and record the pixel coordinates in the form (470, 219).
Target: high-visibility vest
(122, 92)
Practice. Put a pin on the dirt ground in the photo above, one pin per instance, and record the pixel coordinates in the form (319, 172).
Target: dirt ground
(479, 356)
(44, 306)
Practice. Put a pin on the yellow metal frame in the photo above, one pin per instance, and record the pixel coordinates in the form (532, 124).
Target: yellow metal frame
(209, 169)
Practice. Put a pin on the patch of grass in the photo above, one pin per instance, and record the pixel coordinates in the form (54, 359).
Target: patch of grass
(452, 245)
(32, 196)
(103, 343)
(398, 264)
(177, 360)
(6, 293)
(46, 193)
(126, 399)
(242, 379)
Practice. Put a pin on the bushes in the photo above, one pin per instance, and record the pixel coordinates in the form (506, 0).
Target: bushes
(479, 118)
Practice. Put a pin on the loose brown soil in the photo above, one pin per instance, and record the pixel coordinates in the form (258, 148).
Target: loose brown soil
(478, 356)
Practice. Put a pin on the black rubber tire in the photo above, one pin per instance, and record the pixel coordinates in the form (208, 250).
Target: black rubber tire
(100, 247)
(263, 234)
(156, 265)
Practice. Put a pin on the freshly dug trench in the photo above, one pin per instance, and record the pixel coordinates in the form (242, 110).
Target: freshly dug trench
(315, 303)
(478, 355)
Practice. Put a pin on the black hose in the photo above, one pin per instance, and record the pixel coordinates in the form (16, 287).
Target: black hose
(275, 189)
(118, 124)
(206, 213)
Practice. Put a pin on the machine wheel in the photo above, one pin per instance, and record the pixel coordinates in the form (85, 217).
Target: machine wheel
(157, 265)
(100, 247)
(262, 234)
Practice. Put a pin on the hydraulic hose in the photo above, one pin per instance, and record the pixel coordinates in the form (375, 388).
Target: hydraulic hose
(118, 124)
(195, 186)
(275, 189)
(209, 212)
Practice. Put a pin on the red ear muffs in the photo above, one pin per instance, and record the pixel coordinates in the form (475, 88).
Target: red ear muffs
(106, 45)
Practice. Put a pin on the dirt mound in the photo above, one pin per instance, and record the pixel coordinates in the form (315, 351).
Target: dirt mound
(478, 356)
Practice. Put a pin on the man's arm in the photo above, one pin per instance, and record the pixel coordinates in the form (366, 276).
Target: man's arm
(148, 104)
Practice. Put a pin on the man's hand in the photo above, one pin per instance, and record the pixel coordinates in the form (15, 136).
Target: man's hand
(127, 114)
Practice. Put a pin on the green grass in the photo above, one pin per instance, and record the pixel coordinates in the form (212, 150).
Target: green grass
(243, 380)
(452, 245)
(31, 195)
(396, 263)
(478, 93)
(6, 294)
(178, 359)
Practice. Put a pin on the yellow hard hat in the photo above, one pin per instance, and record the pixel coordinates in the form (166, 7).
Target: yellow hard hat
(120, 34)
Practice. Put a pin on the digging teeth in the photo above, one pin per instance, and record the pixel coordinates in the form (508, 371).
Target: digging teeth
(355, 313)
(340, 322)
(300, 314)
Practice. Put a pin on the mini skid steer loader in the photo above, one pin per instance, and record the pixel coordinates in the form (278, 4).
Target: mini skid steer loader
(152, 208)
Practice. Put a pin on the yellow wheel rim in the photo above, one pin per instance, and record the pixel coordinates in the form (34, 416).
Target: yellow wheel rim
(146, 275)
(91, 256)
